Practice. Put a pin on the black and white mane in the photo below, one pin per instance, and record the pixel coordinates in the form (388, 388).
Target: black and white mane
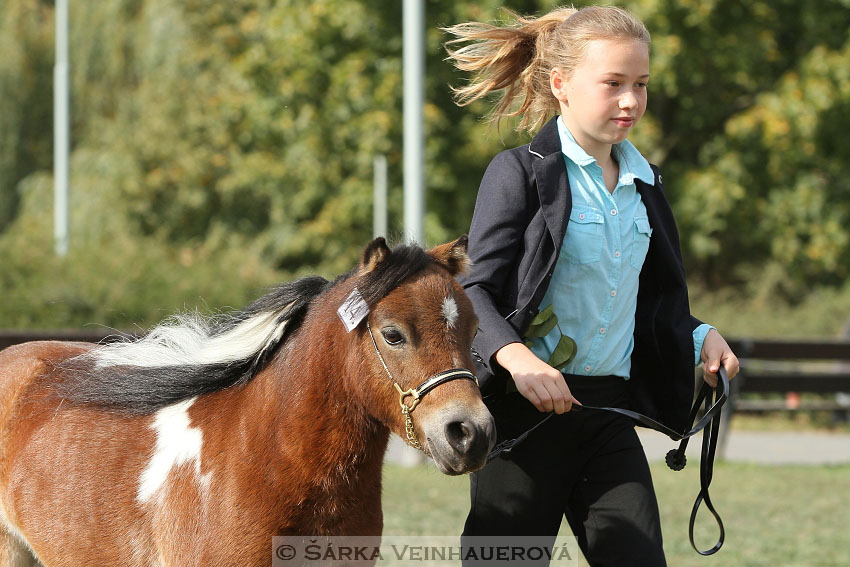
(190, 355)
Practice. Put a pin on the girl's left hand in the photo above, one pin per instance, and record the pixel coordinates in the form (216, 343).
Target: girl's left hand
(716, 352)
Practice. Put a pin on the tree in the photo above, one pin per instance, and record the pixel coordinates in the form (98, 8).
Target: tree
(202, 129)
(26, 102)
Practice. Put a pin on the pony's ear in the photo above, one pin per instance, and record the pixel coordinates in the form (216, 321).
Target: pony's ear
(452, 255)
(374, 253)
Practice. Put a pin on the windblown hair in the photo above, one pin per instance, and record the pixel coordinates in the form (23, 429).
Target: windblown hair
(190, 355)
(515, 60)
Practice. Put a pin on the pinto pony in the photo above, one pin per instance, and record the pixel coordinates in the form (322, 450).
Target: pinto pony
(198, 443)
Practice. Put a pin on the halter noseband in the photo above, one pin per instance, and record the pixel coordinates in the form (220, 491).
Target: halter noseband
(419, 391)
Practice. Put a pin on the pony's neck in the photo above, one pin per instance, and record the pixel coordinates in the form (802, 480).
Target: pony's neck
(313, 392)
(322, 428)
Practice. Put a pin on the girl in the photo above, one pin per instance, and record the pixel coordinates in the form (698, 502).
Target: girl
(577, 221)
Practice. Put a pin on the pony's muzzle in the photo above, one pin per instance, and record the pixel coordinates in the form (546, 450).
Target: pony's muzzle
(465, 444)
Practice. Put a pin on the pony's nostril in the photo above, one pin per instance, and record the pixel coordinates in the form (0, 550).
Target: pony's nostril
(460, 435)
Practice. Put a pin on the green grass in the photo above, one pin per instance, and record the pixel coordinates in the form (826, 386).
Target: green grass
(774, 515)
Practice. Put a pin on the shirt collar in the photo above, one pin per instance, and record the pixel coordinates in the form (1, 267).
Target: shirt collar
(632, 164)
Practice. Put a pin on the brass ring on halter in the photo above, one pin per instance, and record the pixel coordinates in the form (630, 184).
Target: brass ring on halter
(403, 394)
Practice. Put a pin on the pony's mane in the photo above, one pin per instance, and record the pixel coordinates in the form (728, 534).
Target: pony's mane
(190, 355)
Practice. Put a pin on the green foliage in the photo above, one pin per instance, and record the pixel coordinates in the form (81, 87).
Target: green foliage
(564, 352)
(541, 326)
(112, 277)
(748, 102)
(26, 102)
(244, 132)
(761, 310)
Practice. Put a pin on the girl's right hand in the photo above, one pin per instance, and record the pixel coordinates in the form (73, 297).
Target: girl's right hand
(538, 382)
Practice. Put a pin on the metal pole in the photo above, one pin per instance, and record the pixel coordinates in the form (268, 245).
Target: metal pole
(61, 131)
(379, 200)
(414, 101)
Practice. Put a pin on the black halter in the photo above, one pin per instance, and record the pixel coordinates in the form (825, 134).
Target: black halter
(676, 458)
(419, 391)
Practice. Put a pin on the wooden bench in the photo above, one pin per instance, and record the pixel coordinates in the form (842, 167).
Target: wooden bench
(772, 369)
(783, 367)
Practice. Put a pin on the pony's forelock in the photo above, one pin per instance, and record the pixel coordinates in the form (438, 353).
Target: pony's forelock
(402, 263)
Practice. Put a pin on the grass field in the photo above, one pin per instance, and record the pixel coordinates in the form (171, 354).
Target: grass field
(775, 516)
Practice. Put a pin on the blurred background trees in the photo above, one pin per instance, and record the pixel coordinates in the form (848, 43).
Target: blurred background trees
(218, 147)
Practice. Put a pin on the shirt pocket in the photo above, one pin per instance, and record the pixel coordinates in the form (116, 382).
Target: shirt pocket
(642, 234)
(584, 239)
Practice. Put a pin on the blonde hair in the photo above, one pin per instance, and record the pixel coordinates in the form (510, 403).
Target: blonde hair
(516, 59)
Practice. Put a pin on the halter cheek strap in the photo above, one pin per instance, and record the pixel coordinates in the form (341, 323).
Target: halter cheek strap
(419, 391)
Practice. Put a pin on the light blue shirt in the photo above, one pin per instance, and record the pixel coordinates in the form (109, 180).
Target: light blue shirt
(595, 283)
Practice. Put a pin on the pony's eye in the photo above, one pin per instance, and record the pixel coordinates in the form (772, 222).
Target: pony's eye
(392, 336)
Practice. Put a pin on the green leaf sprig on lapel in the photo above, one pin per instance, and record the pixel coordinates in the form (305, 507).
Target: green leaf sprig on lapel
(541, 326)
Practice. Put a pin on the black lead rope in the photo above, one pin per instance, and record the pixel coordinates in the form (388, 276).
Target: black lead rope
(675, 458)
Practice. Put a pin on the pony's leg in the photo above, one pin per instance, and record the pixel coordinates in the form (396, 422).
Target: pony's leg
(14, 552)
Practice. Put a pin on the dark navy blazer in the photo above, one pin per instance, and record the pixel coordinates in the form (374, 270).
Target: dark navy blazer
(518, 227)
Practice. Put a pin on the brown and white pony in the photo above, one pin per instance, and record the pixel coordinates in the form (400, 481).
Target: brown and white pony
(198, 443)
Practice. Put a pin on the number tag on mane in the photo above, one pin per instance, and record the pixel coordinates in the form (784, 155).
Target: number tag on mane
(353, 310)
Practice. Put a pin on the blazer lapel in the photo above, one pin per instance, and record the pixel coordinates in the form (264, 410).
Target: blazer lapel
(553, 188)
(663, 258)
(555, 197)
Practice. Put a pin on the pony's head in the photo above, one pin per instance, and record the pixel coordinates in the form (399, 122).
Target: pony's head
(396, 320)
(414, 325)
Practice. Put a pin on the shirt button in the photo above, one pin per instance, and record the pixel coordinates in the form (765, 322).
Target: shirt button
(587, 368)
(613, 293)
(613, 211)
(617, 254)
(602, 331)
(581, 216)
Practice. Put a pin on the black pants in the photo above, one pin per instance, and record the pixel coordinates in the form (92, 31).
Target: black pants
(588, 466)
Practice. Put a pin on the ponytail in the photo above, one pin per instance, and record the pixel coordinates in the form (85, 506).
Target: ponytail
(515, 60)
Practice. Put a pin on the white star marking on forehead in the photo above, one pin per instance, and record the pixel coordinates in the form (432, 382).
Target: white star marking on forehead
(450, 313)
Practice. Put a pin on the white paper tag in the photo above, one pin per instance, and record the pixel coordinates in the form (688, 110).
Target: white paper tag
(353, 310)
